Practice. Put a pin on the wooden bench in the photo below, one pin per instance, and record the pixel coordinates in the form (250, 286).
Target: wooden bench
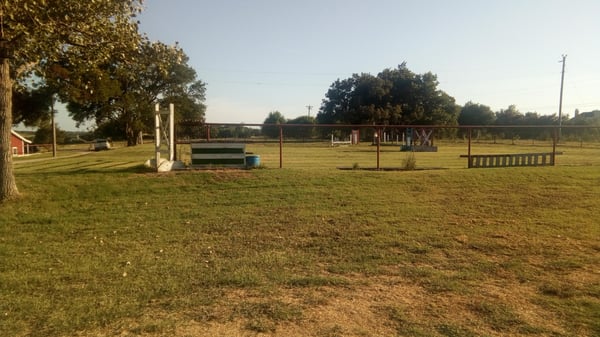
(510, 160)
(206, 155)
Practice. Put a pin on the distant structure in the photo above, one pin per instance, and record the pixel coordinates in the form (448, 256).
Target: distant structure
(309, 107)
(19, 144)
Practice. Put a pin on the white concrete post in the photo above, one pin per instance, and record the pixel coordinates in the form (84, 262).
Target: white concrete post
(171, 132)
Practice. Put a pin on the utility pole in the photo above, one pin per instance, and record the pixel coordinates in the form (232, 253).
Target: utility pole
(562, 80)
(309, 107)
(53, 128)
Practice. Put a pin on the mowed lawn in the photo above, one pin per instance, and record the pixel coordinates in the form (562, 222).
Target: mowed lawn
(100, 246)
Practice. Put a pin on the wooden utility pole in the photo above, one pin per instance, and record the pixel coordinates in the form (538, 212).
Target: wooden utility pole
(53, 129)
(562, 80)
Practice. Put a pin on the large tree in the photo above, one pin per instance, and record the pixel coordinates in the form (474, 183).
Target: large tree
(119, 94)
(272, 131)
(37, 33)
(476, 114)
(304, 132)
(359, 99)
(189, 108)
(394, 96)
(32, 105)
(509, 116)
(122, 93)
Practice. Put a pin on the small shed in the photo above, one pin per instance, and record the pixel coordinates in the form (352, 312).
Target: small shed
(19, 144)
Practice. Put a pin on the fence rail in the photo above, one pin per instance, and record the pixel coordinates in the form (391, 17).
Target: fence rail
(376, 136)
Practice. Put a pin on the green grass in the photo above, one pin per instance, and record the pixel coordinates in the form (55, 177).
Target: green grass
(98, 245)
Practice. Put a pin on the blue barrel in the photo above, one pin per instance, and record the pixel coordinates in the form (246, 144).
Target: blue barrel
(253, 161)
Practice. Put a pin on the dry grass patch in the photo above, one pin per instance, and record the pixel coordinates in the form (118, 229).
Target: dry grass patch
(376, 306)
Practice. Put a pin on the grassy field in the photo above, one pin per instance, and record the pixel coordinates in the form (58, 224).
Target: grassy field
(99, 246)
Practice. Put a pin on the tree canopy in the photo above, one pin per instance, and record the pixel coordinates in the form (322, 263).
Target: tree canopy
(32, 105)
(122, 93)
(301, 132)
(394, 96)
(35, 34)
(271, 131)
(476, 114)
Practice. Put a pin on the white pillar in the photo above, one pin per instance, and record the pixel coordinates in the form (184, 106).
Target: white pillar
(157, 134)
(171, 132)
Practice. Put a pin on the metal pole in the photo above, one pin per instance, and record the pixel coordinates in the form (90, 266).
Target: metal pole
(175, 142)
(378, 134)
(554, 140)
(280, 147)
(469, 149)
(562, 80)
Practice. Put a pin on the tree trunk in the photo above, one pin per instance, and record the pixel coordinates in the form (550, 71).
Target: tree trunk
(130, 134)
(8, 185)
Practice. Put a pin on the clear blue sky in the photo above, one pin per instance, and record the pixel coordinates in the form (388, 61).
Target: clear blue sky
(257, 56)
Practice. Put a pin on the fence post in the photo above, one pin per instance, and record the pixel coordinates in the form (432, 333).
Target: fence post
(554, 140)
(280, 147)
(469, 165)
(378, 146)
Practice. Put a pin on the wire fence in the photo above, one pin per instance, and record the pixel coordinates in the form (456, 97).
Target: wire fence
(391, 147)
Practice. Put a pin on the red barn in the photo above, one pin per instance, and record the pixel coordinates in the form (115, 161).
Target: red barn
(19, 144)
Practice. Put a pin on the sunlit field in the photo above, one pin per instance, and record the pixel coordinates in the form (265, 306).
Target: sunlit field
(98, 245)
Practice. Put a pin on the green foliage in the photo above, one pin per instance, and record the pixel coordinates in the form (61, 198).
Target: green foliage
(237, 132)
(394, 96)
(509, 116)
(124, 92)
(43, 135)
(32, 106)
(512, 116)
(476, 114)
(305, 133)
(112, 129)
(38, 33)
(272, 131)
(586, 118)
